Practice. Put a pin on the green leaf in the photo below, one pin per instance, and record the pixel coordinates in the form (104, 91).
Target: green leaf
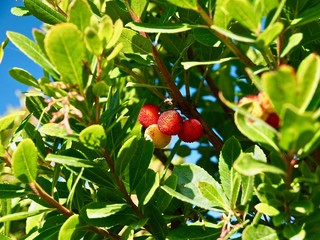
(104, 214)
(189, 177)
(147, 186)
(11, 191)
(194, 232)
(256, 129)
(309, 15)
(232, 35)
(247, 188)
(265, 208)
(101, 210)
(73, 228)
(23, 77)
(188, 4)
(138, 6)
(43, 12)
(164, 199)
(293, 41)
(56, 130)
(93, 137)
(22, 215)
(3, 45)
(308, 75)
(248, 165)
(25, 161)
(221, 18)
(7, 121)
(269, 35)
(92, 41)
(134, 43)
(65, 48)
(187, 65)
(160, 28)
(244, 13)
(297, 129)
(259, 232)
(303, 84)
(20, 11)
(126, 155)
(70, 161)
(37, 106)
(3, 237)
(80, 14)
(33, 51)
(231, 150)
(139, 165)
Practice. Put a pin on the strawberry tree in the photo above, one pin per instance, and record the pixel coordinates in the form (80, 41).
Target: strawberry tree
(240, 76)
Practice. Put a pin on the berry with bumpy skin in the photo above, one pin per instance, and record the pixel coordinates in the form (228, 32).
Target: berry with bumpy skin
(149, 114)
(159, 139)
(192, 131)
(273, 120)
(256, 110)
(170, 122)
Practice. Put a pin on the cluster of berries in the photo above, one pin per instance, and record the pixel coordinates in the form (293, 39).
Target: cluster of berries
(262, 108)
(161, 126)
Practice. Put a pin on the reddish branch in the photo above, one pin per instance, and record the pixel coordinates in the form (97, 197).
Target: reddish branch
(185, 106)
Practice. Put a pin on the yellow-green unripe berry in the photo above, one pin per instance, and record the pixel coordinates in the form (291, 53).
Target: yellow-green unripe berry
(159, 139)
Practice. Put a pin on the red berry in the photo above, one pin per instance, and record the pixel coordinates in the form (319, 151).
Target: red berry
(192, 131)
(170, 122)
(273, 120)
(149, 114)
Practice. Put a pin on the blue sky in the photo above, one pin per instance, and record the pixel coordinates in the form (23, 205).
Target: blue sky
(12, 56)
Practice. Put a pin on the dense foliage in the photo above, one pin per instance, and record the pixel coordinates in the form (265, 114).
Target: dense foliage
(75, 163)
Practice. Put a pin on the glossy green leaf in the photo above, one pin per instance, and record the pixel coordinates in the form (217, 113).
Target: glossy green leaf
(37, 106)
(269, 35)
(11, 191)
(93, 137)
(297, 129)
(194, 232)
(188, 4)
(25, 161)
(92, 41)
(232, 35)
(188, 190)
(256, 129)
(33, 51)
(248, 165)
(20, 11)
(73, 228)
(244, 12)
(309, 15)
(56, 130)
(308, 75)
(3, 237)
(134, 43)
(247, 189)
(43, 12)
(66, 53)
(187, 65)
(139, 165)
(138, 6)
(23, 77)
(70, 161)
(2, 47)
(22, 215)
(156, 222)
(302, 84)
(164, 199)
(147, 186)
(265, 208)
(259, 232)
(126, 155)
(103, 214)
(293, 41)
(7, 121)
(221, 18)
(160, 28)
(230, 152)
(80, 14)
(117, 33)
